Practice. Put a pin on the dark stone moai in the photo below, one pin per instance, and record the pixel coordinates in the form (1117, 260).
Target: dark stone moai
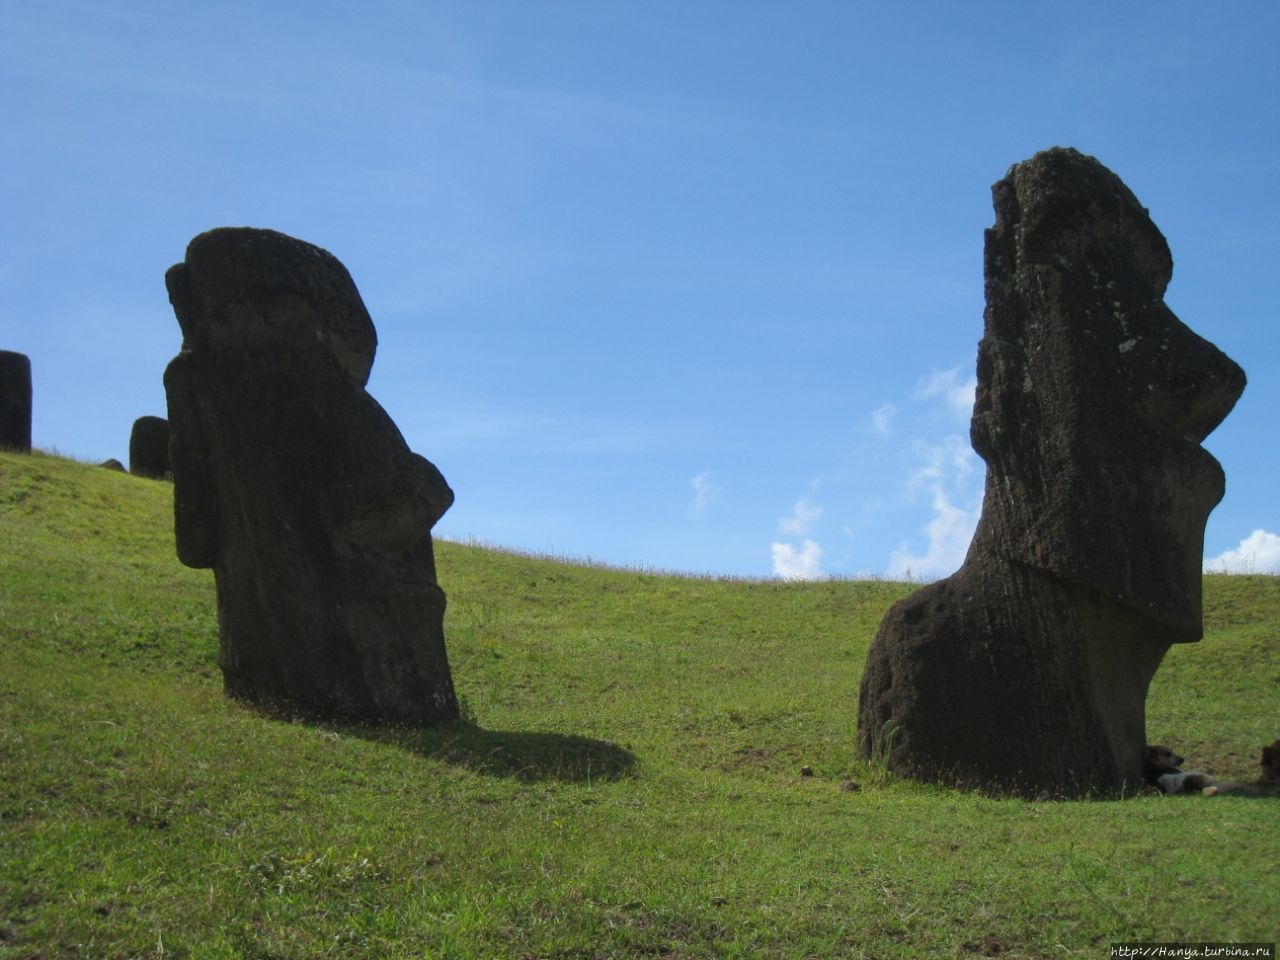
(1027, 670)
(294, 485)
(15, 401)
(149, 448)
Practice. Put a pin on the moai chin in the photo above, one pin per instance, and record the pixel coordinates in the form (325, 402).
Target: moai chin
(296, 488)
(1027, 670)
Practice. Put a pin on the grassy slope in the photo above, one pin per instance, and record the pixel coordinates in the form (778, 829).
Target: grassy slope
(632, 789)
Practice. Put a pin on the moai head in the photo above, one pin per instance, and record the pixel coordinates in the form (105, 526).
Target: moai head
(255, 292)
(1093, 397)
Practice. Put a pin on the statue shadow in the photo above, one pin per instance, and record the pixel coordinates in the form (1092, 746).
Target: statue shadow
(528, 756)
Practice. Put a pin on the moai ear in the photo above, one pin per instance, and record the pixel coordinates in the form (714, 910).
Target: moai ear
(191, 460)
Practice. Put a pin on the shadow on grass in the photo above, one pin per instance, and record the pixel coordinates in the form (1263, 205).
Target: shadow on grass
(524, 755)
(527, 756)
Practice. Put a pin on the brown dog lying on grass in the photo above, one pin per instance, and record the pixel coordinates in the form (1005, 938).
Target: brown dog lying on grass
(1267, 785)
(1162, 770)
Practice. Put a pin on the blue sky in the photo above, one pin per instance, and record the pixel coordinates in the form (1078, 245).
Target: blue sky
(687, 285)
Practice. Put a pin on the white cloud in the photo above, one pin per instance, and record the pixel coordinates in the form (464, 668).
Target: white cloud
(949, 533)
(947, 470)
(952, 387)
(950, 460)
(1258, 553)
(705, 493)
(803, 515)
(804, 563)
(882, 419)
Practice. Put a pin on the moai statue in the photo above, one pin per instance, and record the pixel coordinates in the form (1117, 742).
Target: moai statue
(149, 448)
(294, 485)
(15, 401)
(1027, 670)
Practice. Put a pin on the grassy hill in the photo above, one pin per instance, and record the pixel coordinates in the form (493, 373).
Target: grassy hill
(632, 785)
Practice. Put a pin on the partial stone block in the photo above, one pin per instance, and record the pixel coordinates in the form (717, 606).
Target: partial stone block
(15, 401)
(149, 448)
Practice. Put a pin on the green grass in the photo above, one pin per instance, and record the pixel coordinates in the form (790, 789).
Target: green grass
(631, 786)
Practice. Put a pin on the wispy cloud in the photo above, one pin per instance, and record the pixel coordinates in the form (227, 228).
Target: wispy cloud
(946, 470)
(949, 533)
(495, 426)
(952, 387)
(802, 563)
(803, 516)
(1257, 553)
(919, 482)
(705, 493)
(882, 418)
(950, 460)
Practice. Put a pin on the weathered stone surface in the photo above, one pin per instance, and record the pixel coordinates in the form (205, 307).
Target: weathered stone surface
(15, 401)
(149, 447)
(112, 464)
(1027, 670)
(295, 486)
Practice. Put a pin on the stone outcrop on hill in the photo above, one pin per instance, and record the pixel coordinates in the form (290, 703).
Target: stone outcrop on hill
(1027, 670)
(296, 488)
(149, 447)
(15, 401)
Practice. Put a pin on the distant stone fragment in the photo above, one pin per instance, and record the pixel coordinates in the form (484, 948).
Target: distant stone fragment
(112, 464)
(15, 401)
(149, 448)
(1027, 670)
(295, 486)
